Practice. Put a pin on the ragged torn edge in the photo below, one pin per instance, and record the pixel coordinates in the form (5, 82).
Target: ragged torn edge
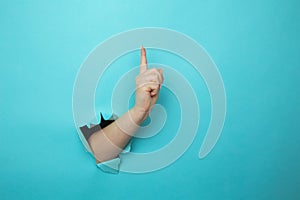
(110, 166)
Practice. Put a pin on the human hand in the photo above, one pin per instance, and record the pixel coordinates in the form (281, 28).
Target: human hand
(148, 84)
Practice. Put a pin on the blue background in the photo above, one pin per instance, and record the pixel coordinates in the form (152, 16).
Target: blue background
(255, 45)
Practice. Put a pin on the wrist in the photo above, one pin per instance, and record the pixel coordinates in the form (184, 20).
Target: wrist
(138, 115)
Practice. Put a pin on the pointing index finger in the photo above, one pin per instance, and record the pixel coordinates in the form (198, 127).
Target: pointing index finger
(143, 65)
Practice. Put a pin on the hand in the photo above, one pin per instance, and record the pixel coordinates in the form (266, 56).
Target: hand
(148, 84)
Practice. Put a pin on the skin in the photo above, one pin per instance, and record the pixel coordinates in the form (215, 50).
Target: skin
(107, 143)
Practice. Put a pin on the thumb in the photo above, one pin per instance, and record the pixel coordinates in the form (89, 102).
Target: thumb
(160, 71)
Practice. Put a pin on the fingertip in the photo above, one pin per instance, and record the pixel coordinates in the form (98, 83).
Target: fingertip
(143, 51)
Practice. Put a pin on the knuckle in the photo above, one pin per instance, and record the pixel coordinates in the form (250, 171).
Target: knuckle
(154, 70)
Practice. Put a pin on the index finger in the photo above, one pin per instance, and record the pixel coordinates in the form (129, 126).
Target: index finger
(143, 65)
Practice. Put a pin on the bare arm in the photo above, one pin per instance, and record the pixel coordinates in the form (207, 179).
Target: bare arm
(110, 141)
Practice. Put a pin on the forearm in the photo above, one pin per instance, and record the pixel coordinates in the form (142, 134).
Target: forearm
(107, 143)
